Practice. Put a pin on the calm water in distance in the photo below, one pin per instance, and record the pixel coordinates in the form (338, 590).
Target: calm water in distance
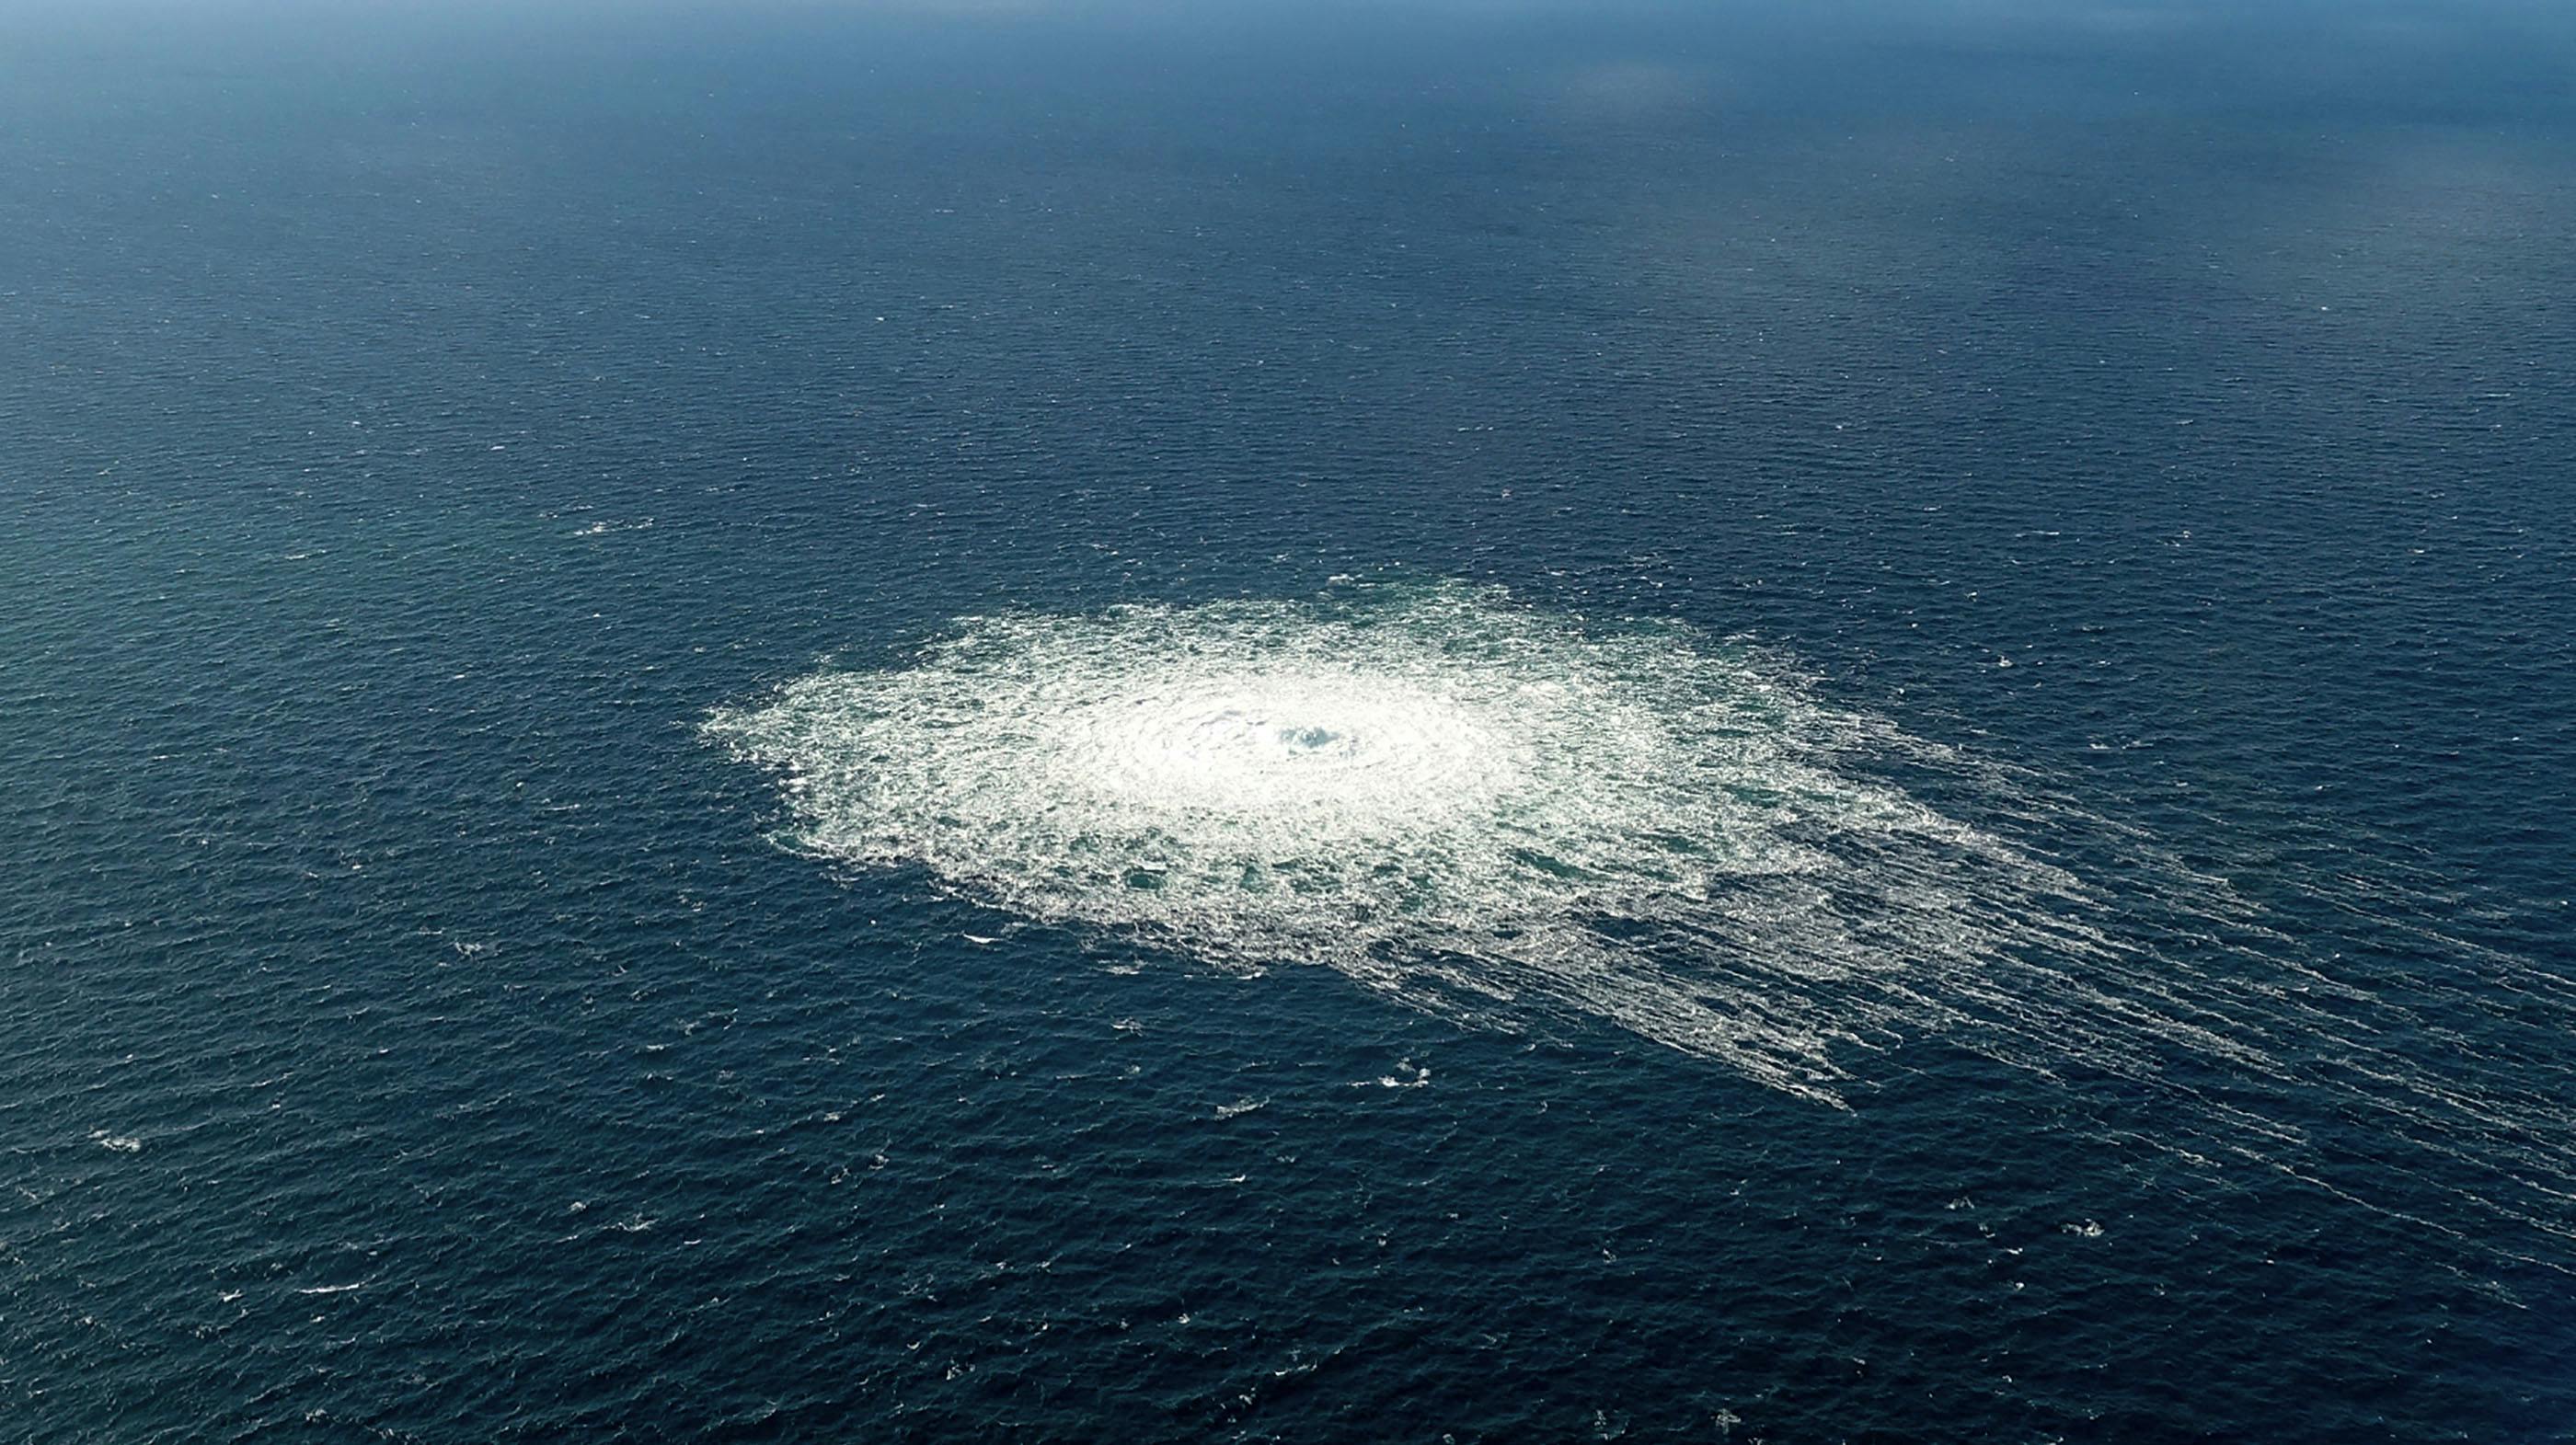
(414, 426)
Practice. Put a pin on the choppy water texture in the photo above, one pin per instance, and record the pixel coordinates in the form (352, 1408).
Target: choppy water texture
(1489, 723)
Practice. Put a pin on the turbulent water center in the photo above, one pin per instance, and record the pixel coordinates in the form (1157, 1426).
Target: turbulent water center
(1521, 819)
(1475, 806)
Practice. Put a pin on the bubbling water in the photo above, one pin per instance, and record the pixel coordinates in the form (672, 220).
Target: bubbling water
(1509, 818)
(1473, 807)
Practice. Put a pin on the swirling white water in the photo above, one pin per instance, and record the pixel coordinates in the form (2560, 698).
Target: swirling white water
(1504, 816)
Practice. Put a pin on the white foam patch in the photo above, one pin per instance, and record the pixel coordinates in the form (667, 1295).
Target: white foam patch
(1511, 818)
(1470, 806)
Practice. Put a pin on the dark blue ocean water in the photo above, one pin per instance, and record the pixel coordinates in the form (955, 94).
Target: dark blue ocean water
(412, 427)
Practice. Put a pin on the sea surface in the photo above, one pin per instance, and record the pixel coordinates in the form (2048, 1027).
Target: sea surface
(1449, 722)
